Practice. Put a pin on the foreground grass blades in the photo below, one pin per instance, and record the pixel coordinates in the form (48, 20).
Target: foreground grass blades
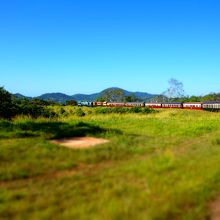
(164, 165)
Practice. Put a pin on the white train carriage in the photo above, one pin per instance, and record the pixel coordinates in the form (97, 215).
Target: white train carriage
(211, 105)
(134, 104)
(192, 105)
(153, 105)
(172, 105)
(115, 104)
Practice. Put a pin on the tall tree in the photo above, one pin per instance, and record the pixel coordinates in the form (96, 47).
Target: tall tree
(71, 102)
(6, 104)
(130, 98)
(175, 89)
(159, 98)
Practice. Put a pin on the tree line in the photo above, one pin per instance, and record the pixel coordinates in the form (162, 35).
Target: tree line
(11, 106)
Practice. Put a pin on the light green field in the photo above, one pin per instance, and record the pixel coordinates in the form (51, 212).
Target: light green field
(163, 165)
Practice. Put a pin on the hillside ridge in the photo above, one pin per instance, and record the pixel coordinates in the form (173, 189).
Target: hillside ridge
(62, 97)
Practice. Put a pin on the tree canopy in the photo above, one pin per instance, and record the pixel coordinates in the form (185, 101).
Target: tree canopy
(10, 106)
(6, 104)
(175, 89)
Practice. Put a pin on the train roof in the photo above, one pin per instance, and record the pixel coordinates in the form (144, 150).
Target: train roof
(134, 102)
(127, 102)
(192, 103)
(174, 103)
(83, 102)
(116, 102)
(211, 102)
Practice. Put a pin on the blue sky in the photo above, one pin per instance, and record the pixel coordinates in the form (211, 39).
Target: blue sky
(84, 46)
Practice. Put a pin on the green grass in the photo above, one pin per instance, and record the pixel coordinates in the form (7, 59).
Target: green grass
(164, 165)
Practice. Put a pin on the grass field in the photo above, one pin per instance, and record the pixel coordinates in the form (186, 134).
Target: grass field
(162, 165)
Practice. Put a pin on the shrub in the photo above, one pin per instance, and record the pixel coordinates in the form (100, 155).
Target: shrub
(149, 110)
(33, 110)
(80, 113)
(216, 141)
(103, 110)
(121, 110)
(135, 109)
(71, 102)
(62, 111)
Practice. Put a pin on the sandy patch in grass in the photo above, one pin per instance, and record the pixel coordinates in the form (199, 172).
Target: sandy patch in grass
(80, 142)
(215, 210)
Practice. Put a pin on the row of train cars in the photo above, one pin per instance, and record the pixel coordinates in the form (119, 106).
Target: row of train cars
(209, 105)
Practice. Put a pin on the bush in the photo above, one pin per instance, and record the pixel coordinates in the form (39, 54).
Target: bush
(122, 110)
(33, 110)
(149, 110)
(62, 111)
(109, 110)
(80, 113)
(71, 102)
(135, 109)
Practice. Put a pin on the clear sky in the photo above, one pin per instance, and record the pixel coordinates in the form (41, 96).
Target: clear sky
(84, 46)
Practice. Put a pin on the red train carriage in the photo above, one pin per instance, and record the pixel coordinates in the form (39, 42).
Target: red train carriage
(192, 105)
(153, 105)
(172, 105)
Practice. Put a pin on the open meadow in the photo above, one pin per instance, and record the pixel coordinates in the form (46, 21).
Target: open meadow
(159, 165)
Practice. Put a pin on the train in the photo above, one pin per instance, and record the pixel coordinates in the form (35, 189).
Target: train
(208, 105)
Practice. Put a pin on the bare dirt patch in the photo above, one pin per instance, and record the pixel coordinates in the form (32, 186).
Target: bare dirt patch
(80, 142)
(215, 210)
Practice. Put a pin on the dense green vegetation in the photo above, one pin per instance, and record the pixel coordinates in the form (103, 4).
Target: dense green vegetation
(209, 97)
(6, 104)
(11, 107)
(122, 110)
(164, 165)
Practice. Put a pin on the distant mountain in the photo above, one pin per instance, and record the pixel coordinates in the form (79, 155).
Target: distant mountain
(20, 96)
(140, 95)
(144, 95)
(55, 97)
(94, 96)
(81, 97)
(62, 98)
